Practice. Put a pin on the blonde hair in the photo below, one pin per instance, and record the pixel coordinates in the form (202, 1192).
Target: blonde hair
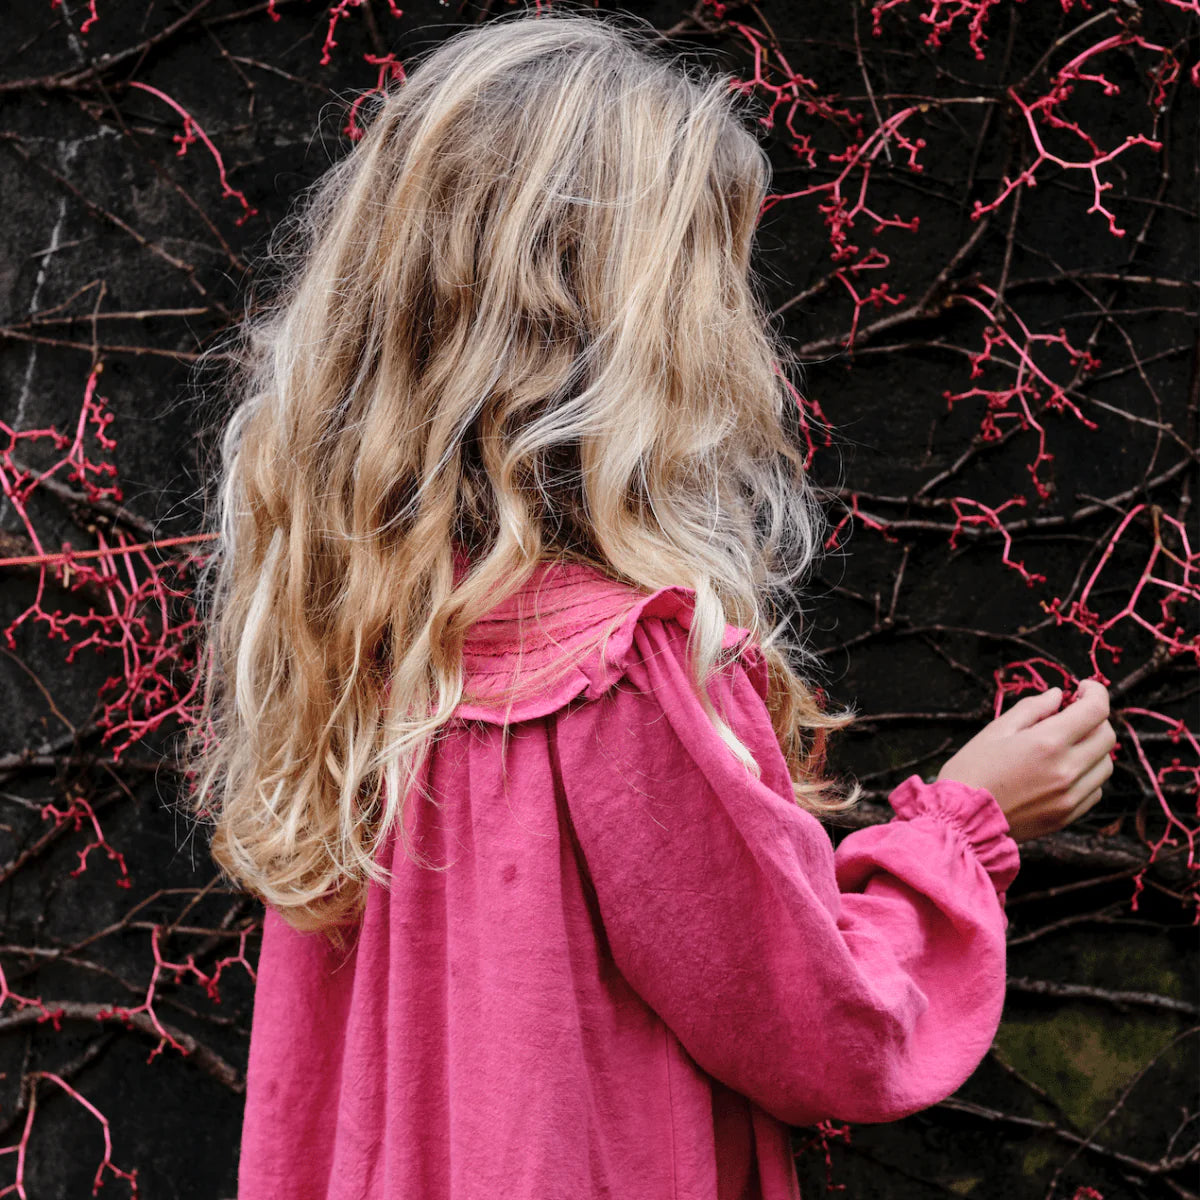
(517, 317)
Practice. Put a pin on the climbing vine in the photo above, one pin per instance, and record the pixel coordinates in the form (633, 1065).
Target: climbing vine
(977, 240)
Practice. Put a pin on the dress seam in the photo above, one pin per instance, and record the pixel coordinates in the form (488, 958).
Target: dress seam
(671, 1110)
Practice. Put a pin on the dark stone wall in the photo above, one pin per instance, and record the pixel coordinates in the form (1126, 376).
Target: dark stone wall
(116, 251)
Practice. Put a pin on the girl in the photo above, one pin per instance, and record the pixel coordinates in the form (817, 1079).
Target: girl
(500, 722)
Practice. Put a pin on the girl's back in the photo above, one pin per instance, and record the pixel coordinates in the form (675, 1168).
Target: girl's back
(635, 965)
(501, 723)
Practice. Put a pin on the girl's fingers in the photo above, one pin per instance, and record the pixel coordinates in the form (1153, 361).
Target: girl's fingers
(1082, 715)
(1088, 802)
(1086, 792)
(1094, 747)
(1029, 710)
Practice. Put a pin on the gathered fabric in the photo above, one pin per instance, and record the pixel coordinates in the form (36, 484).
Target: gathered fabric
(630, 966)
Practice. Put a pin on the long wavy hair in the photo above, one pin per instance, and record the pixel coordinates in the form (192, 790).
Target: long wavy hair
(517, 321)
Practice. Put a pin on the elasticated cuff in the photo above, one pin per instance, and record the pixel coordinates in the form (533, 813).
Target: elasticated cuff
(973, 811)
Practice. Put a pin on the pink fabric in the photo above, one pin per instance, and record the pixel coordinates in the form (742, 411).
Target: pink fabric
(639, 964)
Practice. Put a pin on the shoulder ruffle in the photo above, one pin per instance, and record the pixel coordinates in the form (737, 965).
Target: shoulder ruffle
(547, 663)
(973, 811)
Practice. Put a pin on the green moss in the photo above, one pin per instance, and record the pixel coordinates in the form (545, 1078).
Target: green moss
(1140, 964)
(1036, 1159)
(1083, 1055)
(964, 1187)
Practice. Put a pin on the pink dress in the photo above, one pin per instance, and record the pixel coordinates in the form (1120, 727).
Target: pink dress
(638, 965)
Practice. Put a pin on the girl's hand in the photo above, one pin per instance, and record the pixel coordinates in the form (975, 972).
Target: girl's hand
(1045, 768)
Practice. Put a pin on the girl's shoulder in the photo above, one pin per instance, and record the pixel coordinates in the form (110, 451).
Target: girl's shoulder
(571, 632)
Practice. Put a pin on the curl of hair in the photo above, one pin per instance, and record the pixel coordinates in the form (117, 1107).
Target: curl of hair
(517, 319)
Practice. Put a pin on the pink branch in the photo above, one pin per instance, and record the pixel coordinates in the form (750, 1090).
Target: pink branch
(192, 130)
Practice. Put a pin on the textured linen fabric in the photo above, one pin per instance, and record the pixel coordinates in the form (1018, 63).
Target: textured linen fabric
(635, 965)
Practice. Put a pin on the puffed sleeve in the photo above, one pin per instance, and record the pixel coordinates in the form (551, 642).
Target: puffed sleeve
(861, 985)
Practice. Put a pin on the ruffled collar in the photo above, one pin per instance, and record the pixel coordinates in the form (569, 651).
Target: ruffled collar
(566, 632)
(556, 604)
